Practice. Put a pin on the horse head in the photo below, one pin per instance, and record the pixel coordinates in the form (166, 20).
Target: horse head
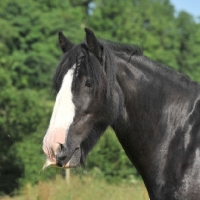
(84, 103)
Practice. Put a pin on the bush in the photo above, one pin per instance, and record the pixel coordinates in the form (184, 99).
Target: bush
(108, 160)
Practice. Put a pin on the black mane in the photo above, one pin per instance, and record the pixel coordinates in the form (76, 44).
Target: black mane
(70, 58)
(123, 48)
(67, 61)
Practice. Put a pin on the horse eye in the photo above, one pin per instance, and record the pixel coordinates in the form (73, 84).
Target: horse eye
(88, 83)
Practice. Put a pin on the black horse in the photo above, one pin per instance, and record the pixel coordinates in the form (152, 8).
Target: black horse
(154, 111)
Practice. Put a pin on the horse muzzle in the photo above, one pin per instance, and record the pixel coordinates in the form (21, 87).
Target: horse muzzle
(62, 161)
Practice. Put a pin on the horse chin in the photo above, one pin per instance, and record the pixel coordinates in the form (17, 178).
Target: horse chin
(75, 160)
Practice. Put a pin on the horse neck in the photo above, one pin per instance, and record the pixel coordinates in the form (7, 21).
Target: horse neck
(151, 94)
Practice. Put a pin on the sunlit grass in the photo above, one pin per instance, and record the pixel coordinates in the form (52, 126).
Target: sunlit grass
(81, 188)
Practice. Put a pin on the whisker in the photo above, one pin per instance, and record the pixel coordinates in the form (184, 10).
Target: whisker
(47, 164)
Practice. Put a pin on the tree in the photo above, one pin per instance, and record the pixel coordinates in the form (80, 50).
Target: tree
(29, 32)
(28, 57)
(108, 160)
(21, 112)
(150, 24)
(189, 42)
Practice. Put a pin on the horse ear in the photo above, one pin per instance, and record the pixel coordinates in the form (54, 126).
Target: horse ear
(93, 43)
(65, 44)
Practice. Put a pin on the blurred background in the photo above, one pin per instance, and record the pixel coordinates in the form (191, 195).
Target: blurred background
(29, 54)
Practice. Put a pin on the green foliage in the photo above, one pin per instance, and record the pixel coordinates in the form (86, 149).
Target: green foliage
(139, 22)
(189, 42)
(29, 54)
(108, 160)
(29, 33)
(20, 115)
(29, 154)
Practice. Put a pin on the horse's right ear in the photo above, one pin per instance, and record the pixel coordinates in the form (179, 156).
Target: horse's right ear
(93, 43)
(65, 44)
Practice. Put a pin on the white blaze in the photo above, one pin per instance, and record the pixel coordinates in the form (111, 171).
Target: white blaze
(62, 117)
(64, 110)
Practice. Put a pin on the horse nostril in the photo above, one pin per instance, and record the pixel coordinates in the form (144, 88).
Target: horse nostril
(61, 147)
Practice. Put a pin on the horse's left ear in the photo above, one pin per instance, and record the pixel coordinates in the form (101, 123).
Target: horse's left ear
(93, 43)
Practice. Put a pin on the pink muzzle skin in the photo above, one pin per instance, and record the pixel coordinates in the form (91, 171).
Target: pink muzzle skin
(51, 144)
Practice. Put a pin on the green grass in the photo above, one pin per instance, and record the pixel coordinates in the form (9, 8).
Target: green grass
(84, 188)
